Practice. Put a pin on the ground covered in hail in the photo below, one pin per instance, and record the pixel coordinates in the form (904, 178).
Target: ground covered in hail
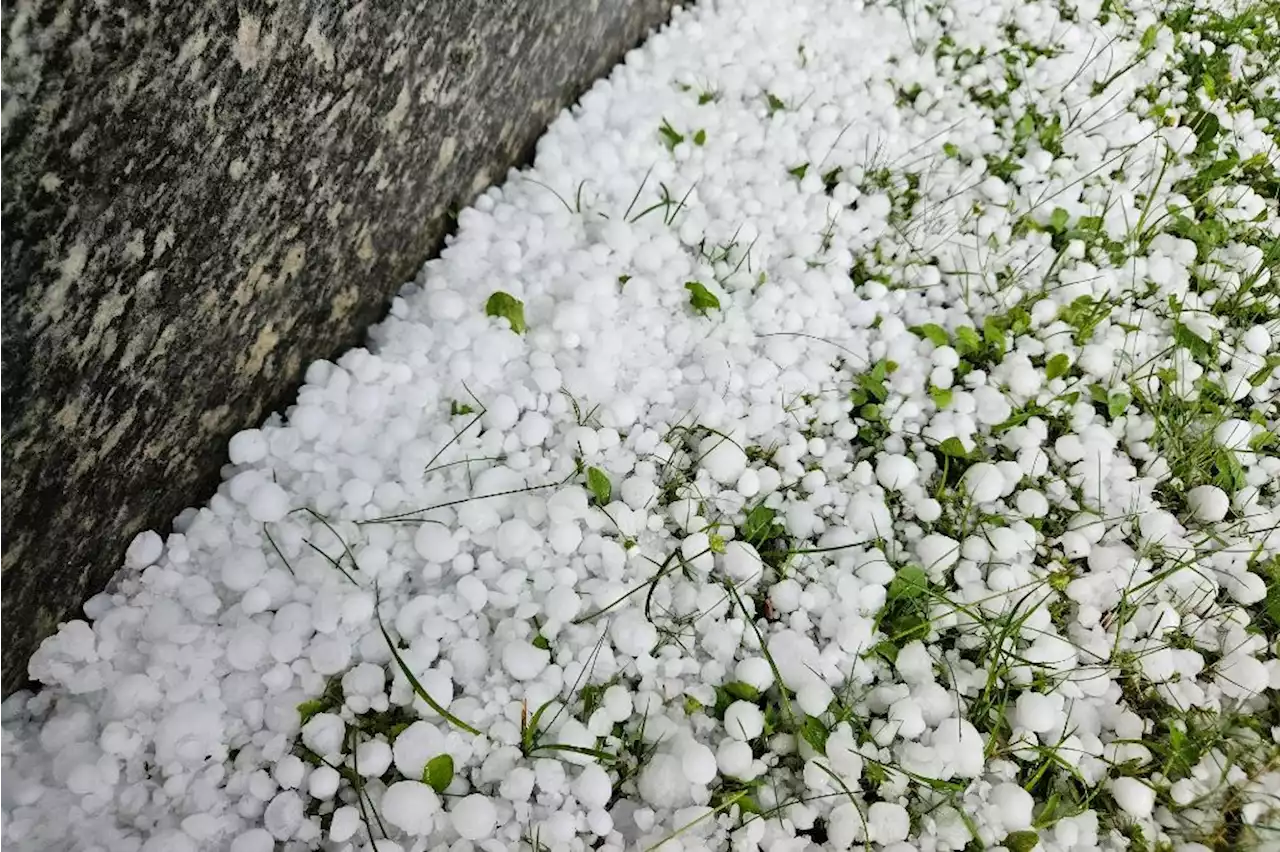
(858, 430)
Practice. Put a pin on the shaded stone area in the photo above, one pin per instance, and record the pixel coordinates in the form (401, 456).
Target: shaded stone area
(198, 200)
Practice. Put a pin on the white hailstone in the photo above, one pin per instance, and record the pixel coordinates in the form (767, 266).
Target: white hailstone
(330, 655)
(697, 554)
(888, 822)
(1240, 675)
(1037, 712)
(937, 553)
(284, 815)
(722, 458)
(1234, 434)
(699, 763)
(474, 817)
(743, 720)
(1257, 340)
(845, 825)
(344, 824)
(323, 782)
(748, 484)
(435, 543)
(253, 840)
(324, 734)
(633, 634)
(247, 447)
(734, 759)
(524, 661)
(896, 472)
(785, 595)
(289, 772)
(592, 788)
(144, 550)
(983, 482)
(243, 569)
(914, 664)
(1134, 797)
(741, 561)
(364, 679)
(410, 806)
(269, 503)
(1015, 805)
(755, 672)
(373, 757)
(1208, 503)
(574, 733)
(662, 782)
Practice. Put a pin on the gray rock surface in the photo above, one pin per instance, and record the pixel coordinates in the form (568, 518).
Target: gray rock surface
(202, 197)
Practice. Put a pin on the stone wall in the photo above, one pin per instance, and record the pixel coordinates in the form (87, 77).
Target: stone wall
(202, 197)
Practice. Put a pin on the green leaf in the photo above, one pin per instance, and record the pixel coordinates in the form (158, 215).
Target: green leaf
(1192, 342)
(950, 150)
(932, 332)
(1022, 841)
(700, 138)
(438, 773)
(954, 448)
(1148, 42)
(541, 642)
(1117, 403)
(967, 341)
(799, 171)
(458, 408)
(508, 307)
(941, 398)
(307, 709)
(669, 134)
(740, 691)
(815, 733)
(701, 298)
(1024, 128)
(1059, 220)
(1057, 366)
(599, 485)
(775, 103)
(759, 523)
(993, 335)
(909, 583)
(1231, 475)
(706, 98)
(1210, 87)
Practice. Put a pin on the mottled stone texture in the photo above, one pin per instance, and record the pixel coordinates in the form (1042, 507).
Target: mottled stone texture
(201, 197)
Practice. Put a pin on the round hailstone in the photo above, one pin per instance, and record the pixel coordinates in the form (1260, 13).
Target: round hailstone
(254, 840)
(324, 734)
(144, 550)
(699, 763)
(888, 822)
(1234, 434)
(247, 447)
(1208, 503)
(523, 661)
(983, 482)
(593, 789)
(1239, 675)
(937, 553)
(743, 720)
(285, 815)
(895, 472)
(1015, 805)
(1134, 798)
(269, 503)
(410, 806)
(345, 823)
(1257, 340)
(474, 817)
(741, 561)
(435, 543)
(722, 458)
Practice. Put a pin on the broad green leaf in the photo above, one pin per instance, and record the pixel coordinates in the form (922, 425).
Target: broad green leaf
(510, 308)
(759, 523)
(599, 485)
(700, 138)
(1057, 366)
(1116, 404)
(932, 332)
(701, 298)
(910, 582)
(740, 691)
(799, 171)
(941, 397)
(1059, 220)
(815, 734)
(1022, 841)
(954, 448)
(438, 773)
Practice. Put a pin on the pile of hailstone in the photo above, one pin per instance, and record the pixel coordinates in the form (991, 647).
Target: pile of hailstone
(858, 430)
